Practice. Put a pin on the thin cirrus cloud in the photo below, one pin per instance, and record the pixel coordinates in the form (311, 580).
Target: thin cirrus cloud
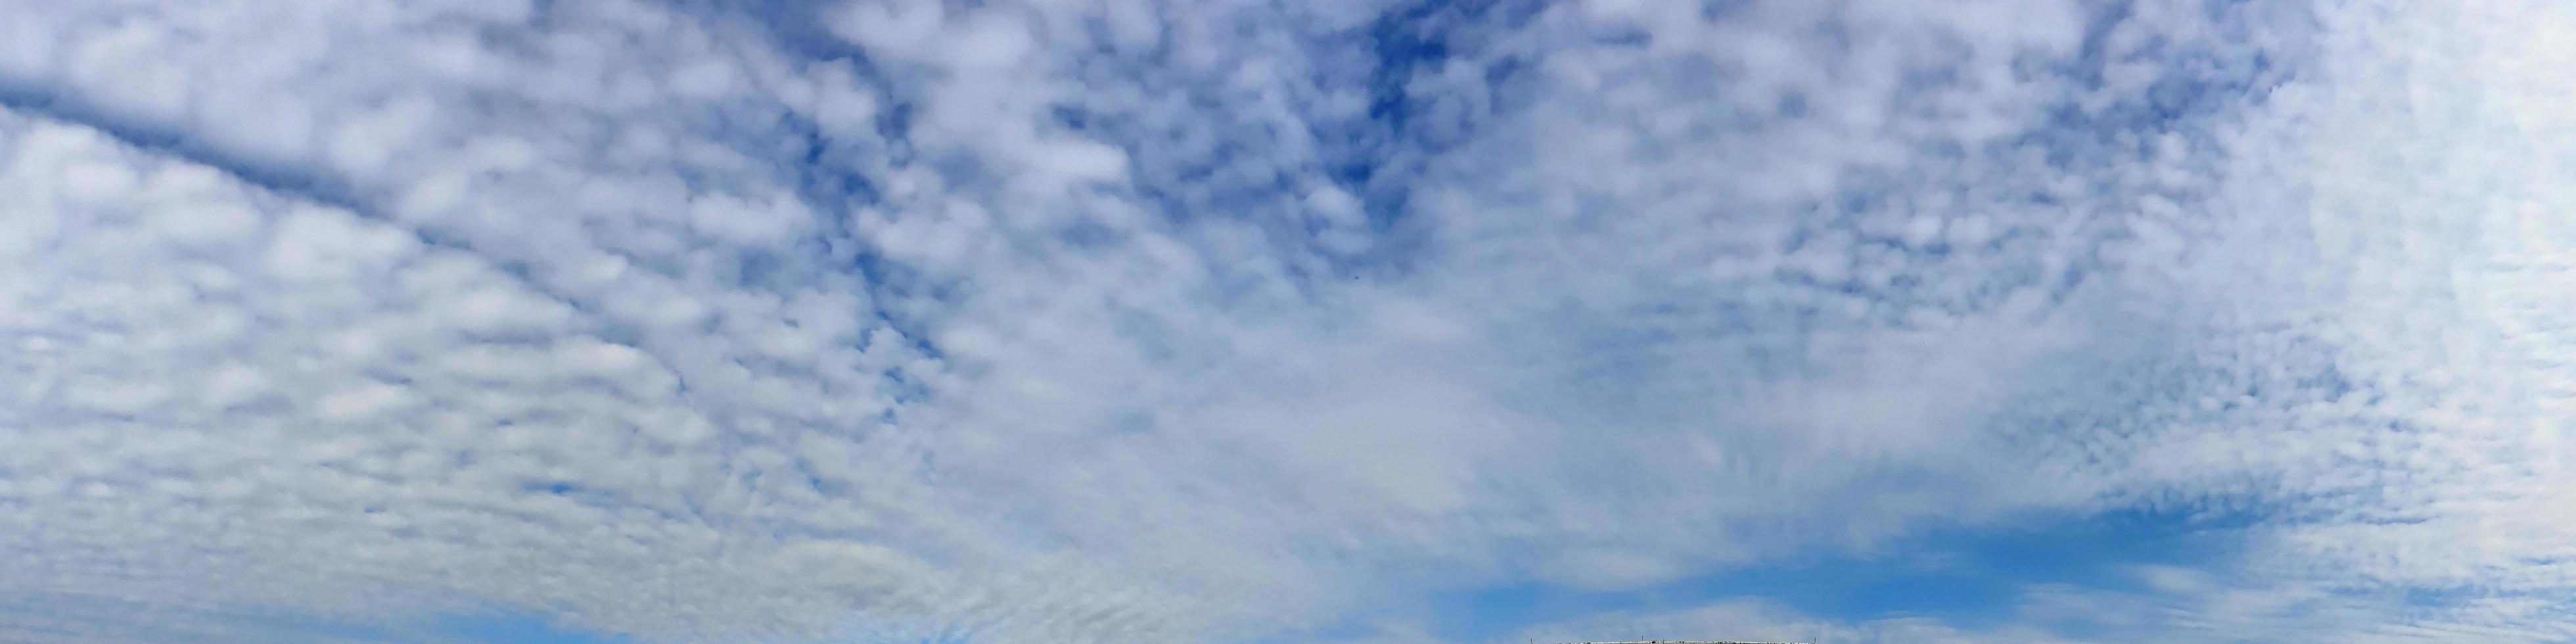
(1124, 320)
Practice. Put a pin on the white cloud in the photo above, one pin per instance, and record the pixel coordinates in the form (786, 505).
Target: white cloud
(1126, 321)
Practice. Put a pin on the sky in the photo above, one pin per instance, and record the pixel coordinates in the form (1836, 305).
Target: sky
(1254, 322)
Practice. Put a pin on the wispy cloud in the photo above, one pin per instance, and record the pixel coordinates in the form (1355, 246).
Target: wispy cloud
(1140, 321)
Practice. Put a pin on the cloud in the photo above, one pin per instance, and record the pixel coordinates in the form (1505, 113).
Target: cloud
(1127, 320)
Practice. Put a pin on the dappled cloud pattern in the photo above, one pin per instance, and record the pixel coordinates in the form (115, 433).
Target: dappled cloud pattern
(1144, 321)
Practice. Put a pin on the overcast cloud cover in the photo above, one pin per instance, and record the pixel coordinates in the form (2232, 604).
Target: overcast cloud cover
(1249, 321)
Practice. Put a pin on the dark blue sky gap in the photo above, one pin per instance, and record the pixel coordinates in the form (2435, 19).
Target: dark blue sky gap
(1968, 576)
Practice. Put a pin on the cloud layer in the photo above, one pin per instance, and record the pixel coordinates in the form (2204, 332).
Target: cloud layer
(1125, 320)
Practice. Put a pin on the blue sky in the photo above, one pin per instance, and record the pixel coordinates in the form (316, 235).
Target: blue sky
(1346, 321)
(1964, 576)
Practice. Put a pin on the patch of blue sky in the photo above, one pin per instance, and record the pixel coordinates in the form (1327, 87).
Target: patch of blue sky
(249, 167)
(1968, 576)
(519, 629)
(495, 628)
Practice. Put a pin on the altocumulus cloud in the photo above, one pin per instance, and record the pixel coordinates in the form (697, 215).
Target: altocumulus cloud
(1129, 320)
